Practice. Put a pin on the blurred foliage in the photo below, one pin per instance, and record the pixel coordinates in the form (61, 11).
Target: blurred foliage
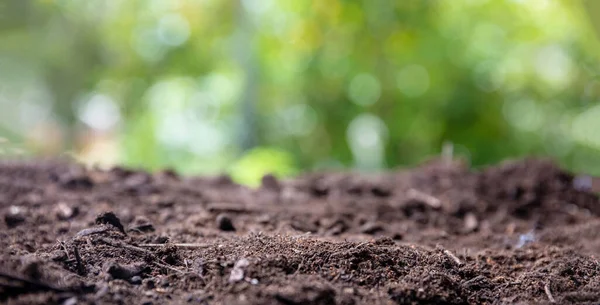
(198, 85)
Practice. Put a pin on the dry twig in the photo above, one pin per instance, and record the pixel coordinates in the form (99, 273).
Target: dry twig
(453, 257)
(431, 201)
(549, 293)
(158, 262)
(176, 245)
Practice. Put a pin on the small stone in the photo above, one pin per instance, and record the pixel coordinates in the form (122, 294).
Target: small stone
(224, 223)
(237, 273)
(471, 222)
(14, 217)
(65, 212)
(135, 280)
(583, 183)
(70, 301)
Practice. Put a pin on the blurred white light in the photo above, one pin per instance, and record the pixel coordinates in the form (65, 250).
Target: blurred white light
(524, 114)
(170, 95)
(173, 130)
(173, 30)
(413, 80)
(224, 87)
(208, 139)
(367, 136)
(554, 66)
(204, 106)
(257, 7)
(586, 127)
(100, 113)
(145, 42)
(364, 89)
(299, 120)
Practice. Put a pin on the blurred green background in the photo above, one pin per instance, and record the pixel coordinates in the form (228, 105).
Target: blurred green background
(255, 86)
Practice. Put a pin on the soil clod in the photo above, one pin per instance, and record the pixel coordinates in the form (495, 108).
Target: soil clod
(14, 216)
(110, 218)
(224, 223)
(125, 272)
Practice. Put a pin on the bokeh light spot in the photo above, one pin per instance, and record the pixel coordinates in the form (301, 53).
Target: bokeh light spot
(364, 89)
(367, 136)
(147, 45)
(554, 66)
(413, 80)
(99, 112)
(173, 30)
(586, 127)
(524, 114)
(298, 120)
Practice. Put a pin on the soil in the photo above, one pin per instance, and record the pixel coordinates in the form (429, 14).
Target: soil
(522, 232)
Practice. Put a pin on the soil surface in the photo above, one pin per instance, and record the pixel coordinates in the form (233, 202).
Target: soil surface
(522, 232)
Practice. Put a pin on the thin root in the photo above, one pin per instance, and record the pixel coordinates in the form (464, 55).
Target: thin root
(549, 293)
(453, 257)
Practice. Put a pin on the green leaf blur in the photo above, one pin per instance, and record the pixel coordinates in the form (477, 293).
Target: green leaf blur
(250, 87)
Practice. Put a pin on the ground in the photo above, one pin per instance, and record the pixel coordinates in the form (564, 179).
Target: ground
(522, 232)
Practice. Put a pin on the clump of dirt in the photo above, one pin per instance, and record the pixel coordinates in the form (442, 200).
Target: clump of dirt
(520, 232)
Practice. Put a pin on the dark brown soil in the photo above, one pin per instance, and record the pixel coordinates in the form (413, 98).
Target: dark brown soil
(522, 232)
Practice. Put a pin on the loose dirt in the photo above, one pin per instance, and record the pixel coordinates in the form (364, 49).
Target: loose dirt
(522, 232)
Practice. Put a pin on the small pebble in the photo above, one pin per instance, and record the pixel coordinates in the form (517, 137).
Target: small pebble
(583, 183)
(224, 223)
(14, 217)
(70, 301)
(471, 222)
(136, 280)
(65, 212)
(237, 273)
(525, 239)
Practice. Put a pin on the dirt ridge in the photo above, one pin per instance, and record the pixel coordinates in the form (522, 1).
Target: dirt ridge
(521, 232)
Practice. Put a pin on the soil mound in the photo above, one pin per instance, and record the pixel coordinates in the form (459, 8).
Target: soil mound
(522, 232)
